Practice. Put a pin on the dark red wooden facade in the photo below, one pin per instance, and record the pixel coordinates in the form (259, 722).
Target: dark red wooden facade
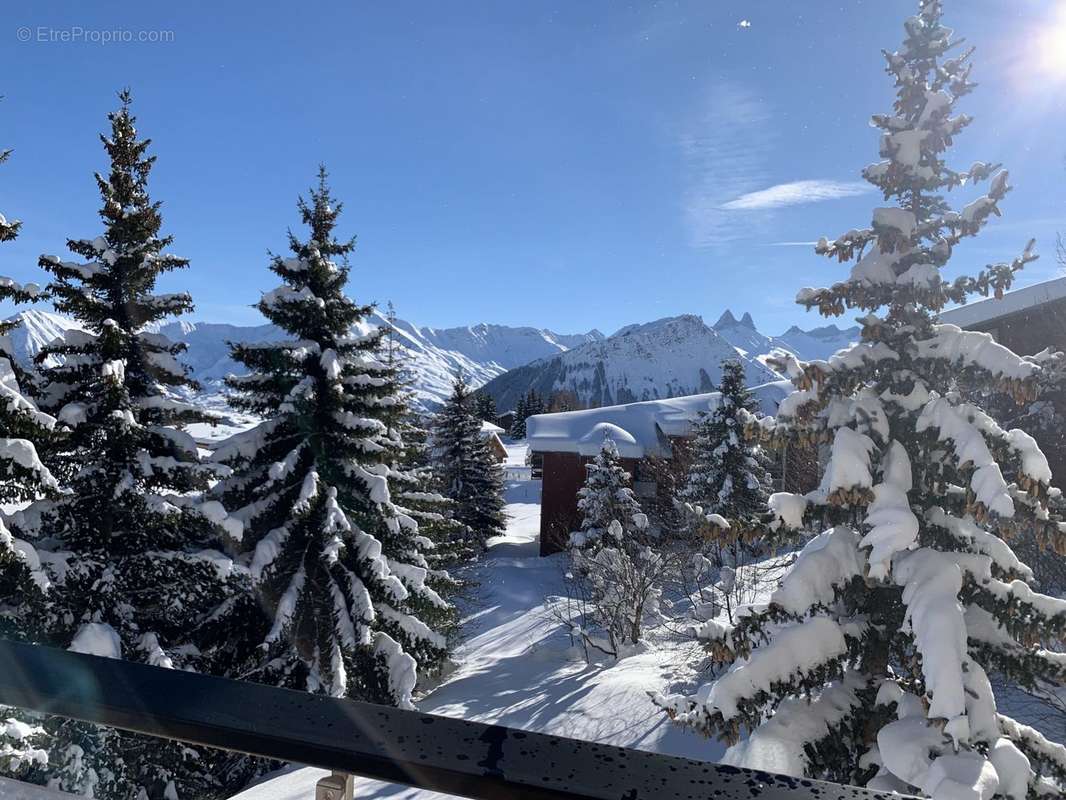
(564, 475)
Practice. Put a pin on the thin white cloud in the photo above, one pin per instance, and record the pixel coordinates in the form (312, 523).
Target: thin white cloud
(796, 193)
(791, 244)
(724, 149)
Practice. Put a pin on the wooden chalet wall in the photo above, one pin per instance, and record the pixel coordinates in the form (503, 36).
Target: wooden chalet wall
(564, 475)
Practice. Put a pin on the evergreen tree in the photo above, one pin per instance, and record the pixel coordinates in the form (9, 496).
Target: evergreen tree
(23, 477)
(870, 664)
(416, 492)
(518, 425)
(1045, 420)
(22, 425)
(528, 405)
(534, 403)
(338, 570)
(485, 407)
(616, 568)
(468, 471)
(607, 501)
(726, 489)
(129, 564)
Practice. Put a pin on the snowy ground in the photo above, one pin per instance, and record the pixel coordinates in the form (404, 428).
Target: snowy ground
(517, 666)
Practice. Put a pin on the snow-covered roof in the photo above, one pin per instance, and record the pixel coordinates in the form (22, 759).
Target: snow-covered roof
(1019, 300)
(488, 427)
(592, 442)
(638, 429)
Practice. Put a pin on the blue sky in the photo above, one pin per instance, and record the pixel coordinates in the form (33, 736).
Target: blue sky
(561, 164)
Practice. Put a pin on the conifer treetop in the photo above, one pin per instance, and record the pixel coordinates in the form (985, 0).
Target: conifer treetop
(610, 511)
(727, 481)
(339, 568)
(899, 256)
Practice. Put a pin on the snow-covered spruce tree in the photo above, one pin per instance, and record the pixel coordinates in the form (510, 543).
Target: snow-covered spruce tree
(335, 565)
(128, 558)
(1045, 420)
(485, 407)
(22, 425)
(724, 497)
(416, 492)
(534, 403)
(518, 425)
(616, 571)
(22, 477)
(871, 663)
(467, 470)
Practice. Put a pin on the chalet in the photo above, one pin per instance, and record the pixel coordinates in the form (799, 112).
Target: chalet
(648, 435)
(505, 420)
(492, 433)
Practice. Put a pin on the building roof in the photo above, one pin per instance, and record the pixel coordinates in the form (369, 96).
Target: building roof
(985, 311)
(488, 427)
(637, 429)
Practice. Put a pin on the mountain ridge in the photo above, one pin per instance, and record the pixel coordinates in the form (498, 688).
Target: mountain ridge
(640, 361)
(433, 356)
(648, 360)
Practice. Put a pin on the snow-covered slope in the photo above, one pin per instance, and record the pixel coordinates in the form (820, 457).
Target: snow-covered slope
(666, 358)
(37, 329)
(433, 356)
(208, 345)
(819, 343)
(500, 344)
(518, 667)
(743, 335)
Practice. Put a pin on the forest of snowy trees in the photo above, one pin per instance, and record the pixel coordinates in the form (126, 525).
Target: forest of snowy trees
(863, 632)
(311, 551)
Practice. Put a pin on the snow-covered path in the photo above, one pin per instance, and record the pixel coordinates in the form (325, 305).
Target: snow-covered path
(517, 667)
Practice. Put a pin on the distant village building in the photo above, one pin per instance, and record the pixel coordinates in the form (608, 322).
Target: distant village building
(505, 420)
(492, 434)
(648, 435)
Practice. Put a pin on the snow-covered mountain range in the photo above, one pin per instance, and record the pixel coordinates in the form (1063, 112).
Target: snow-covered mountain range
(665, 358)
(433, 355)
(815, 344)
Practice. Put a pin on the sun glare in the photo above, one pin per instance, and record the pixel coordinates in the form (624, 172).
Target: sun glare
(1051, 47)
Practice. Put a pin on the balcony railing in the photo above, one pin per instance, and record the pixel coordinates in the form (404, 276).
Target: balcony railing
(453, 756)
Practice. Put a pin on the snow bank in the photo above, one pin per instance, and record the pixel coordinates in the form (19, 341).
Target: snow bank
(97, 639)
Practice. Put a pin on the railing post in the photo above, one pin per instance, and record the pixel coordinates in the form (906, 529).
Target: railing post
(338, 786)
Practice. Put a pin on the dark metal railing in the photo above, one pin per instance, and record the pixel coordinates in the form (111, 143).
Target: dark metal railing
(442, 754)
